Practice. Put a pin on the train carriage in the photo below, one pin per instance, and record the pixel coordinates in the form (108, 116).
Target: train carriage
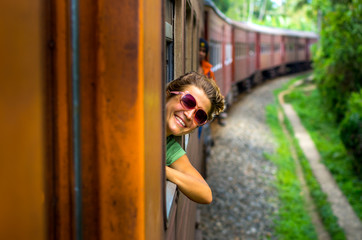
(290, 50)
(252, 50)
(241, 67)
(218, 32)
(277, 51)
(302, 56)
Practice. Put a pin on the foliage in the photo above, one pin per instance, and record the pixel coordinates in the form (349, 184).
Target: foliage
(223, 5)
(289, 14)
(351, 129)
(338, 58)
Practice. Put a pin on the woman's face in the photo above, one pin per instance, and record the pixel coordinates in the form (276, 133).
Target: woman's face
(179, 121)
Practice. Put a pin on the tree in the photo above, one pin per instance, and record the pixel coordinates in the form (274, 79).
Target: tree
(338, 59)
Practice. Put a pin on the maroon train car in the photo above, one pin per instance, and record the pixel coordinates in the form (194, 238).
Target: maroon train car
(259, 52)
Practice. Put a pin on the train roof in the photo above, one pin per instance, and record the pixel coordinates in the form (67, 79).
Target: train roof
(259, 28)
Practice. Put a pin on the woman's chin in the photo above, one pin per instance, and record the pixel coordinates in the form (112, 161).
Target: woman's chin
(178, 131)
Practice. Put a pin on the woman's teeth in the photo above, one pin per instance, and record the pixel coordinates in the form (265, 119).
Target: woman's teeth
(180, 121)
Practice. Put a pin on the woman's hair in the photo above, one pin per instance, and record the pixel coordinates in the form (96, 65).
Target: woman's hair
(200, 81)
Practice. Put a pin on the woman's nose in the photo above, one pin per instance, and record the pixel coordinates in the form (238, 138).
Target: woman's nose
(189, 113)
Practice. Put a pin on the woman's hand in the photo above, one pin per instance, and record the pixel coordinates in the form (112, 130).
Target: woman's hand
(189, 180)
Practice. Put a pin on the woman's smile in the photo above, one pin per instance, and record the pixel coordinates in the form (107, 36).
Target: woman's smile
(180, 121)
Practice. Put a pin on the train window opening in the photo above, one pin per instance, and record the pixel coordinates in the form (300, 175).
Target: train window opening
(301, 46)
(215, 55)
(228, 54)
(241, 50)
(276, 47)
(264, 48)
(251, 49)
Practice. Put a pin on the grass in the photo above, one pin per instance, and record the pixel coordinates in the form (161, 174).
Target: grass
(325, 135)
(293, 220)
(323, 207)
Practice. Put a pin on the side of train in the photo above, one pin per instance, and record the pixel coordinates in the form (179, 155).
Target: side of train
(244, 54)
(82, 99)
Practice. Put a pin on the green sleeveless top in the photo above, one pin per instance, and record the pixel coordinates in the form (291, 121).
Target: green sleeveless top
(173, 150)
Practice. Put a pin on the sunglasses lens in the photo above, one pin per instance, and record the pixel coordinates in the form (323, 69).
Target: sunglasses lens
(200, 116)
(188, 101)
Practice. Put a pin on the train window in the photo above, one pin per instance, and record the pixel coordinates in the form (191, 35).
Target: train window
(228, 54)
(169, 14)
(238, 50)
(243, 50)
(215, 55)
(291, 47)
(264, 48)
(251, 49)
(276, 47)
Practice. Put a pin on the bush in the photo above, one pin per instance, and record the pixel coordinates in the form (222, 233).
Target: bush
(337, 61)
(351, 129)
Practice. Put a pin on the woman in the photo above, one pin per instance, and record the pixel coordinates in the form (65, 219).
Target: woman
(192, 100)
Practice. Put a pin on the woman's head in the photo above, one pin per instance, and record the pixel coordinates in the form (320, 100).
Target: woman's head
(180, 118)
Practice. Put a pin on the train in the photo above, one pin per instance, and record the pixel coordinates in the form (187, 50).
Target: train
(82, 108)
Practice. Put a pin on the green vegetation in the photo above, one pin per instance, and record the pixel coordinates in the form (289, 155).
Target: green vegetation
(351, 129)
(292, 222)
(282, 159)
(323, 207)
(338, 73)
(289, 14)
(325, 134)
(338, 58)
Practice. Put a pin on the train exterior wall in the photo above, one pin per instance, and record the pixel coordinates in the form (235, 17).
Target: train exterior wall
(251, 38)
(220, 41)
(277, 51)
(241, 54)
(265, 52)
(290, 50)
(301, 49)
(215, 39)
(227, 61)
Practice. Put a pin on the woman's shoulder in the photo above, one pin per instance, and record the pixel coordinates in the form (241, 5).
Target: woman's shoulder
(173, 150)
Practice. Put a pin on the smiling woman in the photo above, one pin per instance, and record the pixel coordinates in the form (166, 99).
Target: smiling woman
(192, 100)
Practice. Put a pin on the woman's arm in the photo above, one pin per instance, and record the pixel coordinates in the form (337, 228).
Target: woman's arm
(189, 180)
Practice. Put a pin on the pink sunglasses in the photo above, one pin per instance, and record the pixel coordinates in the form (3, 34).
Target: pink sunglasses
(189, 102)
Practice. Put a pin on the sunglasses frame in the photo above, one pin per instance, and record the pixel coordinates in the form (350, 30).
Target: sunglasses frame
(183, 94)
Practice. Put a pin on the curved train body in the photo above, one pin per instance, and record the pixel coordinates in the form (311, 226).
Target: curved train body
(82, 145)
